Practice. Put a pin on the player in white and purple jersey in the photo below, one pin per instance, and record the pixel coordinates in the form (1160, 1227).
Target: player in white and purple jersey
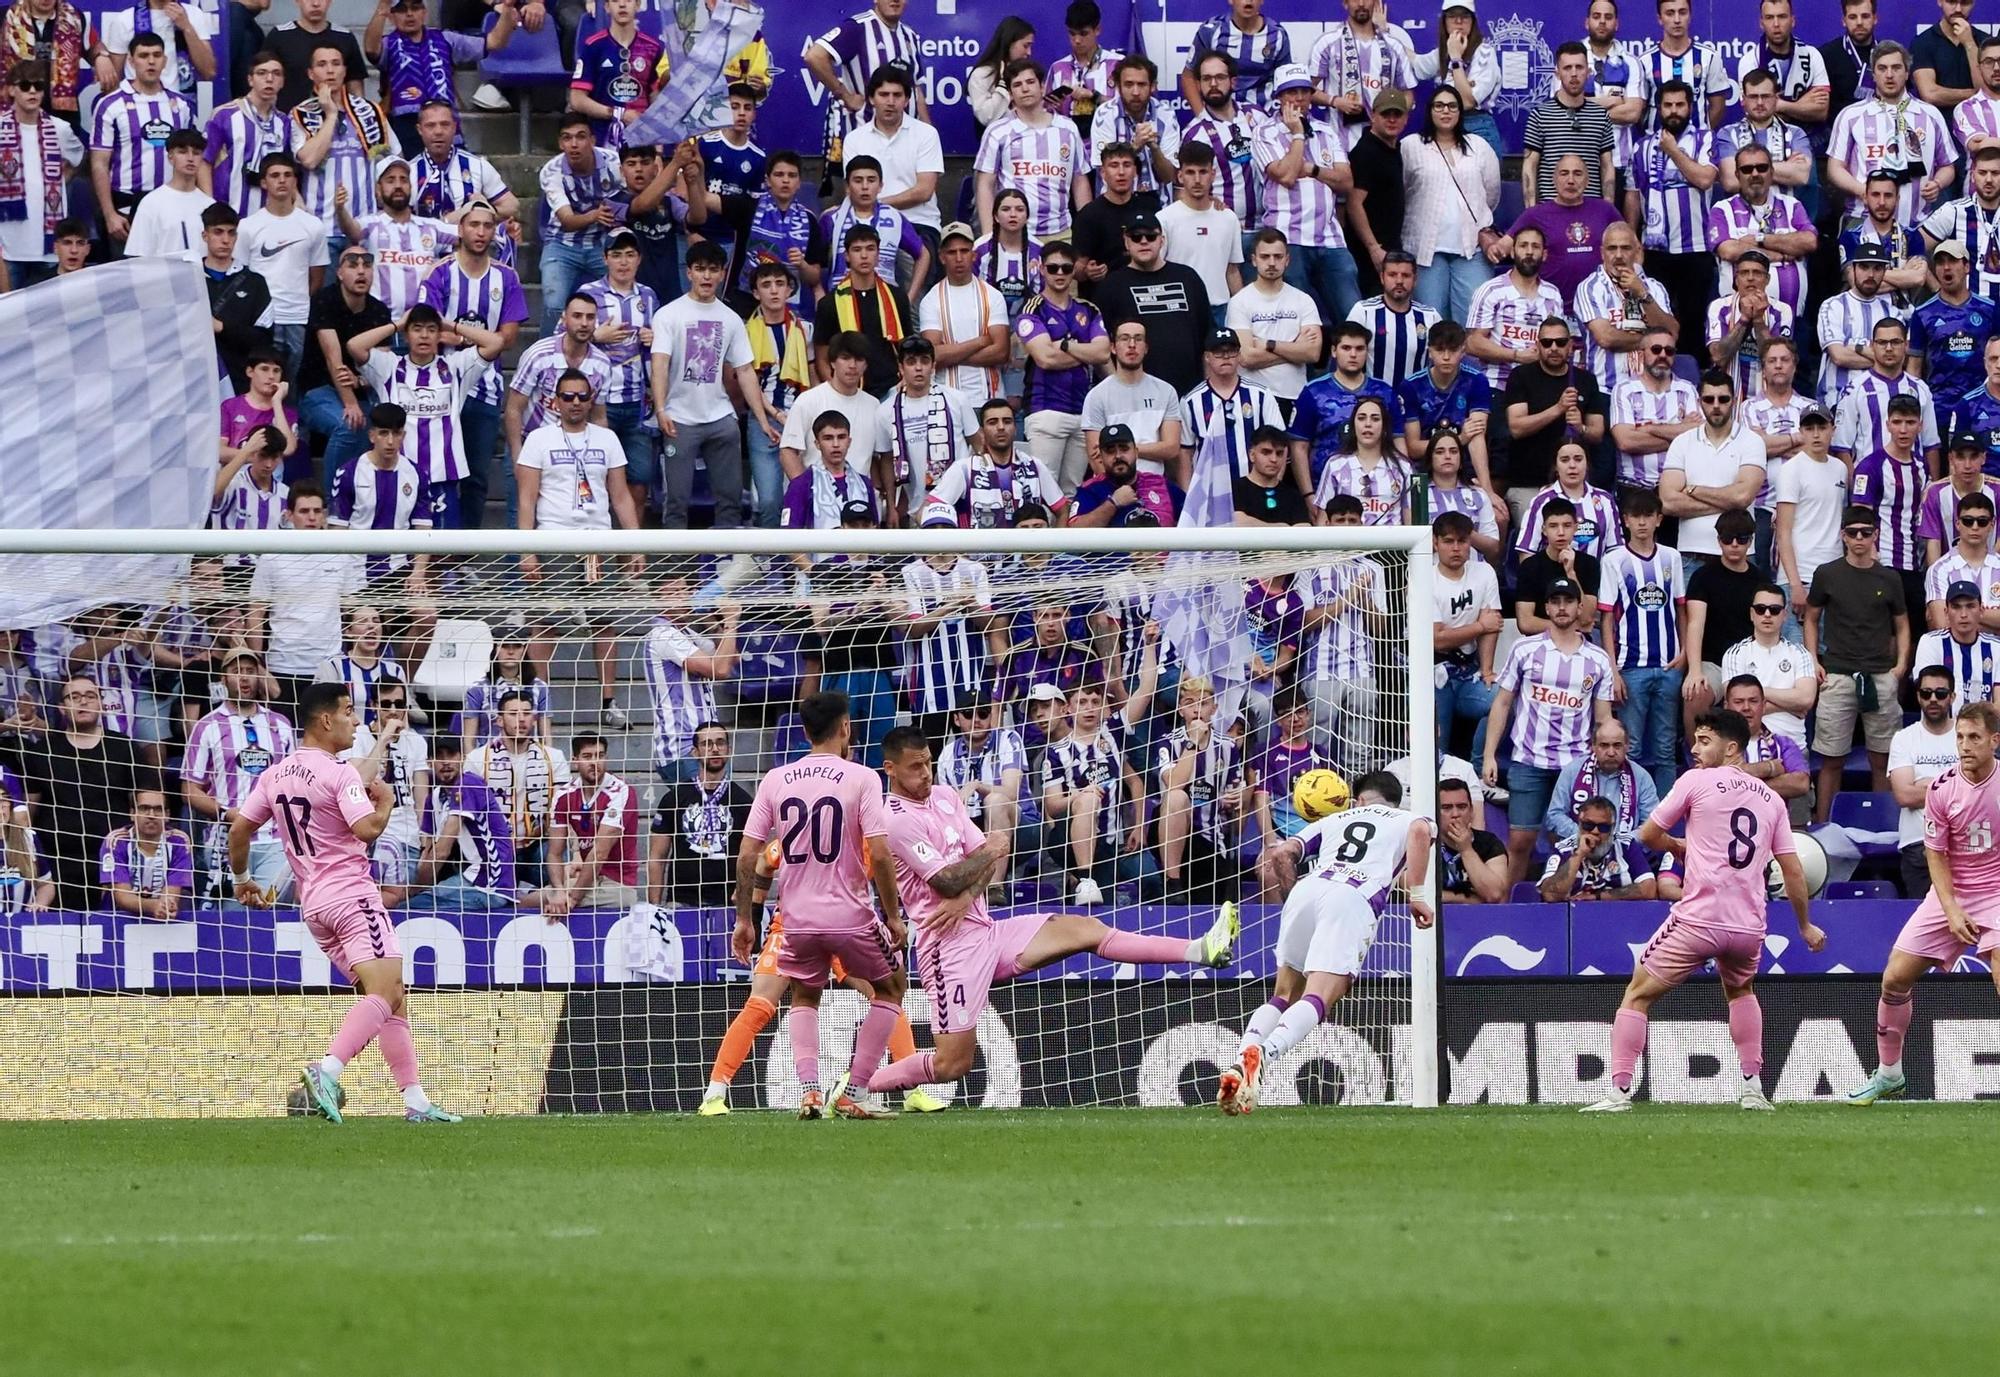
(1736, 824)
(407, 247)
(825, 810)
(1892, 132)
(129, 128)
(944, 652)
(1044, 158)
(1962, 911)
(472, 286)
(328, 813)
(1229, 130)
(228, 750)
(432, 390)
(941, 863)
(1355, 857)
(243, 132)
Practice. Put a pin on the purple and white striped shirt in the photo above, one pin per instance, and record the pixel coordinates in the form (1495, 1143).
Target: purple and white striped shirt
(944, 667)
(1113, 124)
(1735, 218)
(492, 299)
(1953, 567)
(363, 680)
(1861, 421)
(1768, 416)
(120, 676)
(1598, 529)
(681, 701)
(247, 507)
(863, 42)
(367, 498)
(133, 129)
(1910, 133)
(405, 253)
(1676, 214)
(961, 764)
(1041, 161)
(630, 364)
(1307, 211)
(1342, 648)
(1849, 317)
(1257, 55)
(1895, 489)
(1701, 67)
(1472, 502)
(1779, 139)
(1939, 519)
(1341, 63)
(1237, 171)
(348, 164)
(227, 750)
(1978, 228)
(565, 188)
(1633, 403)
(1554, 693)
(238, 140)
(1598, 299)
(1976, 117)
(1512, 319)
(538, 370)
(1074, 763)
(1383, 490)
(1748, 368)
(437, 189)
(1973, 666)
(1619, 71)
(433, 394)
(1644, 594)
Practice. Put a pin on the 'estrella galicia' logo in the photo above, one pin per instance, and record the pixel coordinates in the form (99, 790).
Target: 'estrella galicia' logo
(1526, 64)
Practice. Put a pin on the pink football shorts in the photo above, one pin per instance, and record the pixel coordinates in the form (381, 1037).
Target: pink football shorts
(355, 931)
(960, 969)
(1681, 948)
(1928, 935)
(807, 957)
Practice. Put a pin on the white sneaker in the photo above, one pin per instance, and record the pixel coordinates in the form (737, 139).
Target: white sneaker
(1088, 894)
(615, 717)
(1752, 1096)
(1497, 794)
(1615, 1102)
(488, 97)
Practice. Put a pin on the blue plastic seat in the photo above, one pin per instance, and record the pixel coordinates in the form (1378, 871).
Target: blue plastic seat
(529, 60)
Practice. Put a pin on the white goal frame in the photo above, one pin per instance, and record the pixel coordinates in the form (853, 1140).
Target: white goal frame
(53, 555)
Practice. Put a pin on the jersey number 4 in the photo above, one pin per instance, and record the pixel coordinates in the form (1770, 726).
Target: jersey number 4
(298, 814)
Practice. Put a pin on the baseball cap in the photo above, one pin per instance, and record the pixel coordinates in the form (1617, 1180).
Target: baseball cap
(1561, 588)
(623, 239)
(1816, 416)
(980, 699)
(1965, 439)
(239, 652)
(1291, 77)
(386, 165)
(406, 4)
(1392, 100)
(1115, 434)
(857, 510)
(1145, 222)
(1869, 251)
(1045, 693)
(938, 517)
(1221, 340)
(1952, 248)
(1962, 589)
(957, 229)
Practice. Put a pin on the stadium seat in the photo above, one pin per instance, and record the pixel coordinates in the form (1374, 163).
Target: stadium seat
(1687, 369)
(1859, 889)
(1524, 892)
(529, 60)
(1511, 203)
(460, 655)
(1863, 813)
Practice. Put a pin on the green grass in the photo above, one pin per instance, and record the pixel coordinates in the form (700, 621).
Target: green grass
(1133, 1242)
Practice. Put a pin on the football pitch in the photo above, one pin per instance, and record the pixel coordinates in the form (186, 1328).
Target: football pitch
(1819, 1239)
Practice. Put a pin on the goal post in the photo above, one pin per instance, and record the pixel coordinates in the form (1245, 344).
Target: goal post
(572, 976)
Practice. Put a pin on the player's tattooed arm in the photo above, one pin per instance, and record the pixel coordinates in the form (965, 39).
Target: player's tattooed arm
(968, 874)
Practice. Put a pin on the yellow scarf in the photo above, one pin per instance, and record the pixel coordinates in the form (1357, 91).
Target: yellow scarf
(847, 308)
(792, 369)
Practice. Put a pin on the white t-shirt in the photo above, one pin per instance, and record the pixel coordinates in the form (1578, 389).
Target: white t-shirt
(1818, 488)
(915, 149)
(167, 224)
(21, 240)
(575, 495)
(1927, 753)
(408, 757)
(283, 250)
(863, 413)
(1146, 406)
(1710, 466)
(959, 315)
(117, 26)
(703, 339)
(1207, 241)
(304, 593)
(1776, 667)
(1275, 318)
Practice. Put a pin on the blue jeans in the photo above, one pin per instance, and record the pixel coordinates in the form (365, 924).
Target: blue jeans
(1328, 277)
(1447, 285)
(626, 420)
(1651, 713)
(1463, 696)
(480, 423)
(28, 274)
(871, 707)
(290, 342)
(1529, 788)
(453, 895)
(1481, 125)
(565, 267)
(767, 476)
(321, 413)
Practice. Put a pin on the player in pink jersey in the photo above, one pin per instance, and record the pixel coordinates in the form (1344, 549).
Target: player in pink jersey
(942, 864)
(1735, 824)
(1962, 911)
(822, 808)
(329, 814)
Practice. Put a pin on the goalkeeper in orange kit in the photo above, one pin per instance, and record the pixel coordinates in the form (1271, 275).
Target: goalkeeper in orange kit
(767, 987)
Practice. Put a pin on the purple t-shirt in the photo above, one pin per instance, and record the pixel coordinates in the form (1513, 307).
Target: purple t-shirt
(1573, 234)
(1279, 766)
(171, 863)
(1062, 389)
(240, 416)
(1276, 618)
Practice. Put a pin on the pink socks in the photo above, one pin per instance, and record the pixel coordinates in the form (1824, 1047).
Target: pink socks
(871, 1040)
(906, 1074)
(359, 1028)
(399, 1049)
(1143, 951)
(1628, 1040)
(805, 1045)
(1892, 1022)
(1746, 1030)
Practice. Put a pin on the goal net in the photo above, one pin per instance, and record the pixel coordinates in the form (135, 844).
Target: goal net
(578, 726)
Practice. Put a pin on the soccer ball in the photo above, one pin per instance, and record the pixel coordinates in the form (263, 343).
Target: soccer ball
(1316, 793)
(298, 1105)
(1812, 860)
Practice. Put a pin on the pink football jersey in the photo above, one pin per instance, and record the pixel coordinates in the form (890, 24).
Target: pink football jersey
(317, 800)
(1735, 824)
(820, 808)
(924, 838)
(1960, 820)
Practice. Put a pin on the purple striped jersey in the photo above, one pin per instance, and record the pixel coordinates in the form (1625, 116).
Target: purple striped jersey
(1976, 117)
(1875, 135)
(1598, 529)
(1861, 421)
(863, 42)
(1895, 489)
(681, 701)
(1342, 63)
(541, 365)
(1598, 299)
(1768, 416)
(1700, 66)
(1398, 341)
(368, 498)
(1383, 490)
(348, 165)
(1953, 567)
(1342, 648)
(1040, 161)
(238, 140)
(1675, 213)
(1973, 665)
(1735, 218)
(405, 253)
(1238, 175)
(1472, 502)
(1216, 771)
(630, 364)
(1939, 520)
(120, 677)
(363, 680)
(433, 394)
(1644, 595)
(437, 189)
(1555, 693)
(1075, 763)
(946, 664)
(564, 187)
(1619, 71)
(1747, 367)
(247, 507)
(492, 299)
(133, 129)
(961, 764)
(123, 860)
(1848, 316)
(1307, 211)
(1510, 318)
(1257, 55)
(1978, 228)
(1112, 123)
(227, 750)
(1128, 606)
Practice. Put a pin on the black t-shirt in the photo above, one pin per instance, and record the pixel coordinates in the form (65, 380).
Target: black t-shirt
(1843, 73)
(84, 795)
(859, 632)
(881, 375)
(1538, 571)
(1945, 59)
(658, 232)
(1098, 231)
(1281, 505)
(294, 47)
(1858, 627)
(1728, 594)
(1378, 170)
(1485, 845)
(702, 827)
(329, 312)
(1172, 303)
(1531, 458)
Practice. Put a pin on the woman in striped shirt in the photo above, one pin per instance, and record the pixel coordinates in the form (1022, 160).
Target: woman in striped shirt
(1010, 260)
(1597, 525)
(1449, 492)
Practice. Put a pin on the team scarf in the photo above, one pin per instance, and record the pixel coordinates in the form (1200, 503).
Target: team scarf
(794, 376)
(1590, 782)
(14, 179)
(66, 36)
(364, 115)
(830, 494)
(438, 185)
(423, 62)
(847, 308)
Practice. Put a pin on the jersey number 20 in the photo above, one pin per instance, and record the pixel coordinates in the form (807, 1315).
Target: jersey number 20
(812, 830)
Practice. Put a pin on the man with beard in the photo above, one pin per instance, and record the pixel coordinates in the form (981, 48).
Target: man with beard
(446, 178)
(1113, 497)
(1506, 311)
(404, 244)
(1848, 321)
(1758, 219)
(81, 782)
(1567, 124)
(1227, 129)
(1672, 173)
(1975, 220)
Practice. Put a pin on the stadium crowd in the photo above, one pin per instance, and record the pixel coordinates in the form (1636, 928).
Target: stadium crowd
(1710, 413)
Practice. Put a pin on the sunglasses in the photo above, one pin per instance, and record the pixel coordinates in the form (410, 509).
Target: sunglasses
(1665, 349)
(1562, 343)
(572, 396)
(1593, 827)
(366, 260)
(1048, 267)
(1767, 609)
(1857, 532)
(1733, 540)
(31, 86)
(1935, 695)
(1975, 521)
(1142, 236)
